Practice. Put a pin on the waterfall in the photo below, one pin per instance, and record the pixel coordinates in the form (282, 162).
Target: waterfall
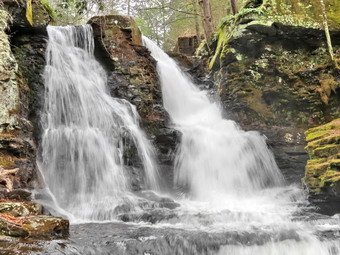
(85, 128)
(215, 156)
(232, 180)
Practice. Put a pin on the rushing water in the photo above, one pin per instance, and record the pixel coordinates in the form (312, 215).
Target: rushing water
(233, 198)
(232, 175)
(84, 130)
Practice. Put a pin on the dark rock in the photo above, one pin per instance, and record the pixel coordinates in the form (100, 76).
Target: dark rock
(17, 195)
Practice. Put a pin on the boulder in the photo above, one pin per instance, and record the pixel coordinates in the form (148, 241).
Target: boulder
(41, 226)
(46, 226)
(25, 219)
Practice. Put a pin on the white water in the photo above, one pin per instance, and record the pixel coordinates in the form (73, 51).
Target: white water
(215, 157)
(231, 176)
(85, 129)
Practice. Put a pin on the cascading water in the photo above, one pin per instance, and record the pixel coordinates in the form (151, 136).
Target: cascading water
(232, 179)
(84, 129)
(215, 156)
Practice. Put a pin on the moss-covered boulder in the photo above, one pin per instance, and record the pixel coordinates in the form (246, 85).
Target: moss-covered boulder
(322, 175)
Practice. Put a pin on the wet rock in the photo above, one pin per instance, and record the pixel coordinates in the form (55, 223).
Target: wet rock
(160, 201)
(16, 195)
(46, 226)
(152, 216)
(25, 219)
(9, 228)
(322, 175)
(17, 209)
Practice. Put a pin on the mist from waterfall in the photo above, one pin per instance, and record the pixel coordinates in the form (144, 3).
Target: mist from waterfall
(85, 130)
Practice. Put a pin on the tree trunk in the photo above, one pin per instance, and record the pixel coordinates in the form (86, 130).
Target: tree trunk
(328, 37)
(207, 19)
(234, 6)
(197, 25)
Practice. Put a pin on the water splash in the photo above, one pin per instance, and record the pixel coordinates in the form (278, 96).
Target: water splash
(85, 128)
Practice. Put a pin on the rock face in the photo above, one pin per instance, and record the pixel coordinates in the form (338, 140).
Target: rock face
(322, 176)
(17, 149)
(273, 65)
(132, 75)
(279, 75)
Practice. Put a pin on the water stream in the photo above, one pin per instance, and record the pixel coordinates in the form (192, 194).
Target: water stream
(233, 198)
(230, 176)
(84, 130)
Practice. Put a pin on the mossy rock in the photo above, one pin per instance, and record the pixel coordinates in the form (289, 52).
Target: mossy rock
(9, 228)
(20, 208)
(42, 226)
(322, 175)
(325, 151)
(39, 12)
(111, 24)
(46, 226)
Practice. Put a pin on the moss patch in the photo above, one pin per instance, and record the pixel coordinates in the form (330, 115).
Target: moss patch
(322, 175)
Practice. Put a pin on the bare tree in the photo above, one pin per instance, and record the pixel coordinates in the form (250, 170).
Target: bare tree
(328, 37)
(234, 6)
(207, 19)
(197, 25)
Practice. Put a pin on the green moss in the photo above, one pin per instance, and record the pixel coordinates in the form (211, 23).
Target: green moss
(325, 151)
(324, 165)
(315, 169)
(316, 135)
(330, 177)
(335, 124)
(223, 38)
